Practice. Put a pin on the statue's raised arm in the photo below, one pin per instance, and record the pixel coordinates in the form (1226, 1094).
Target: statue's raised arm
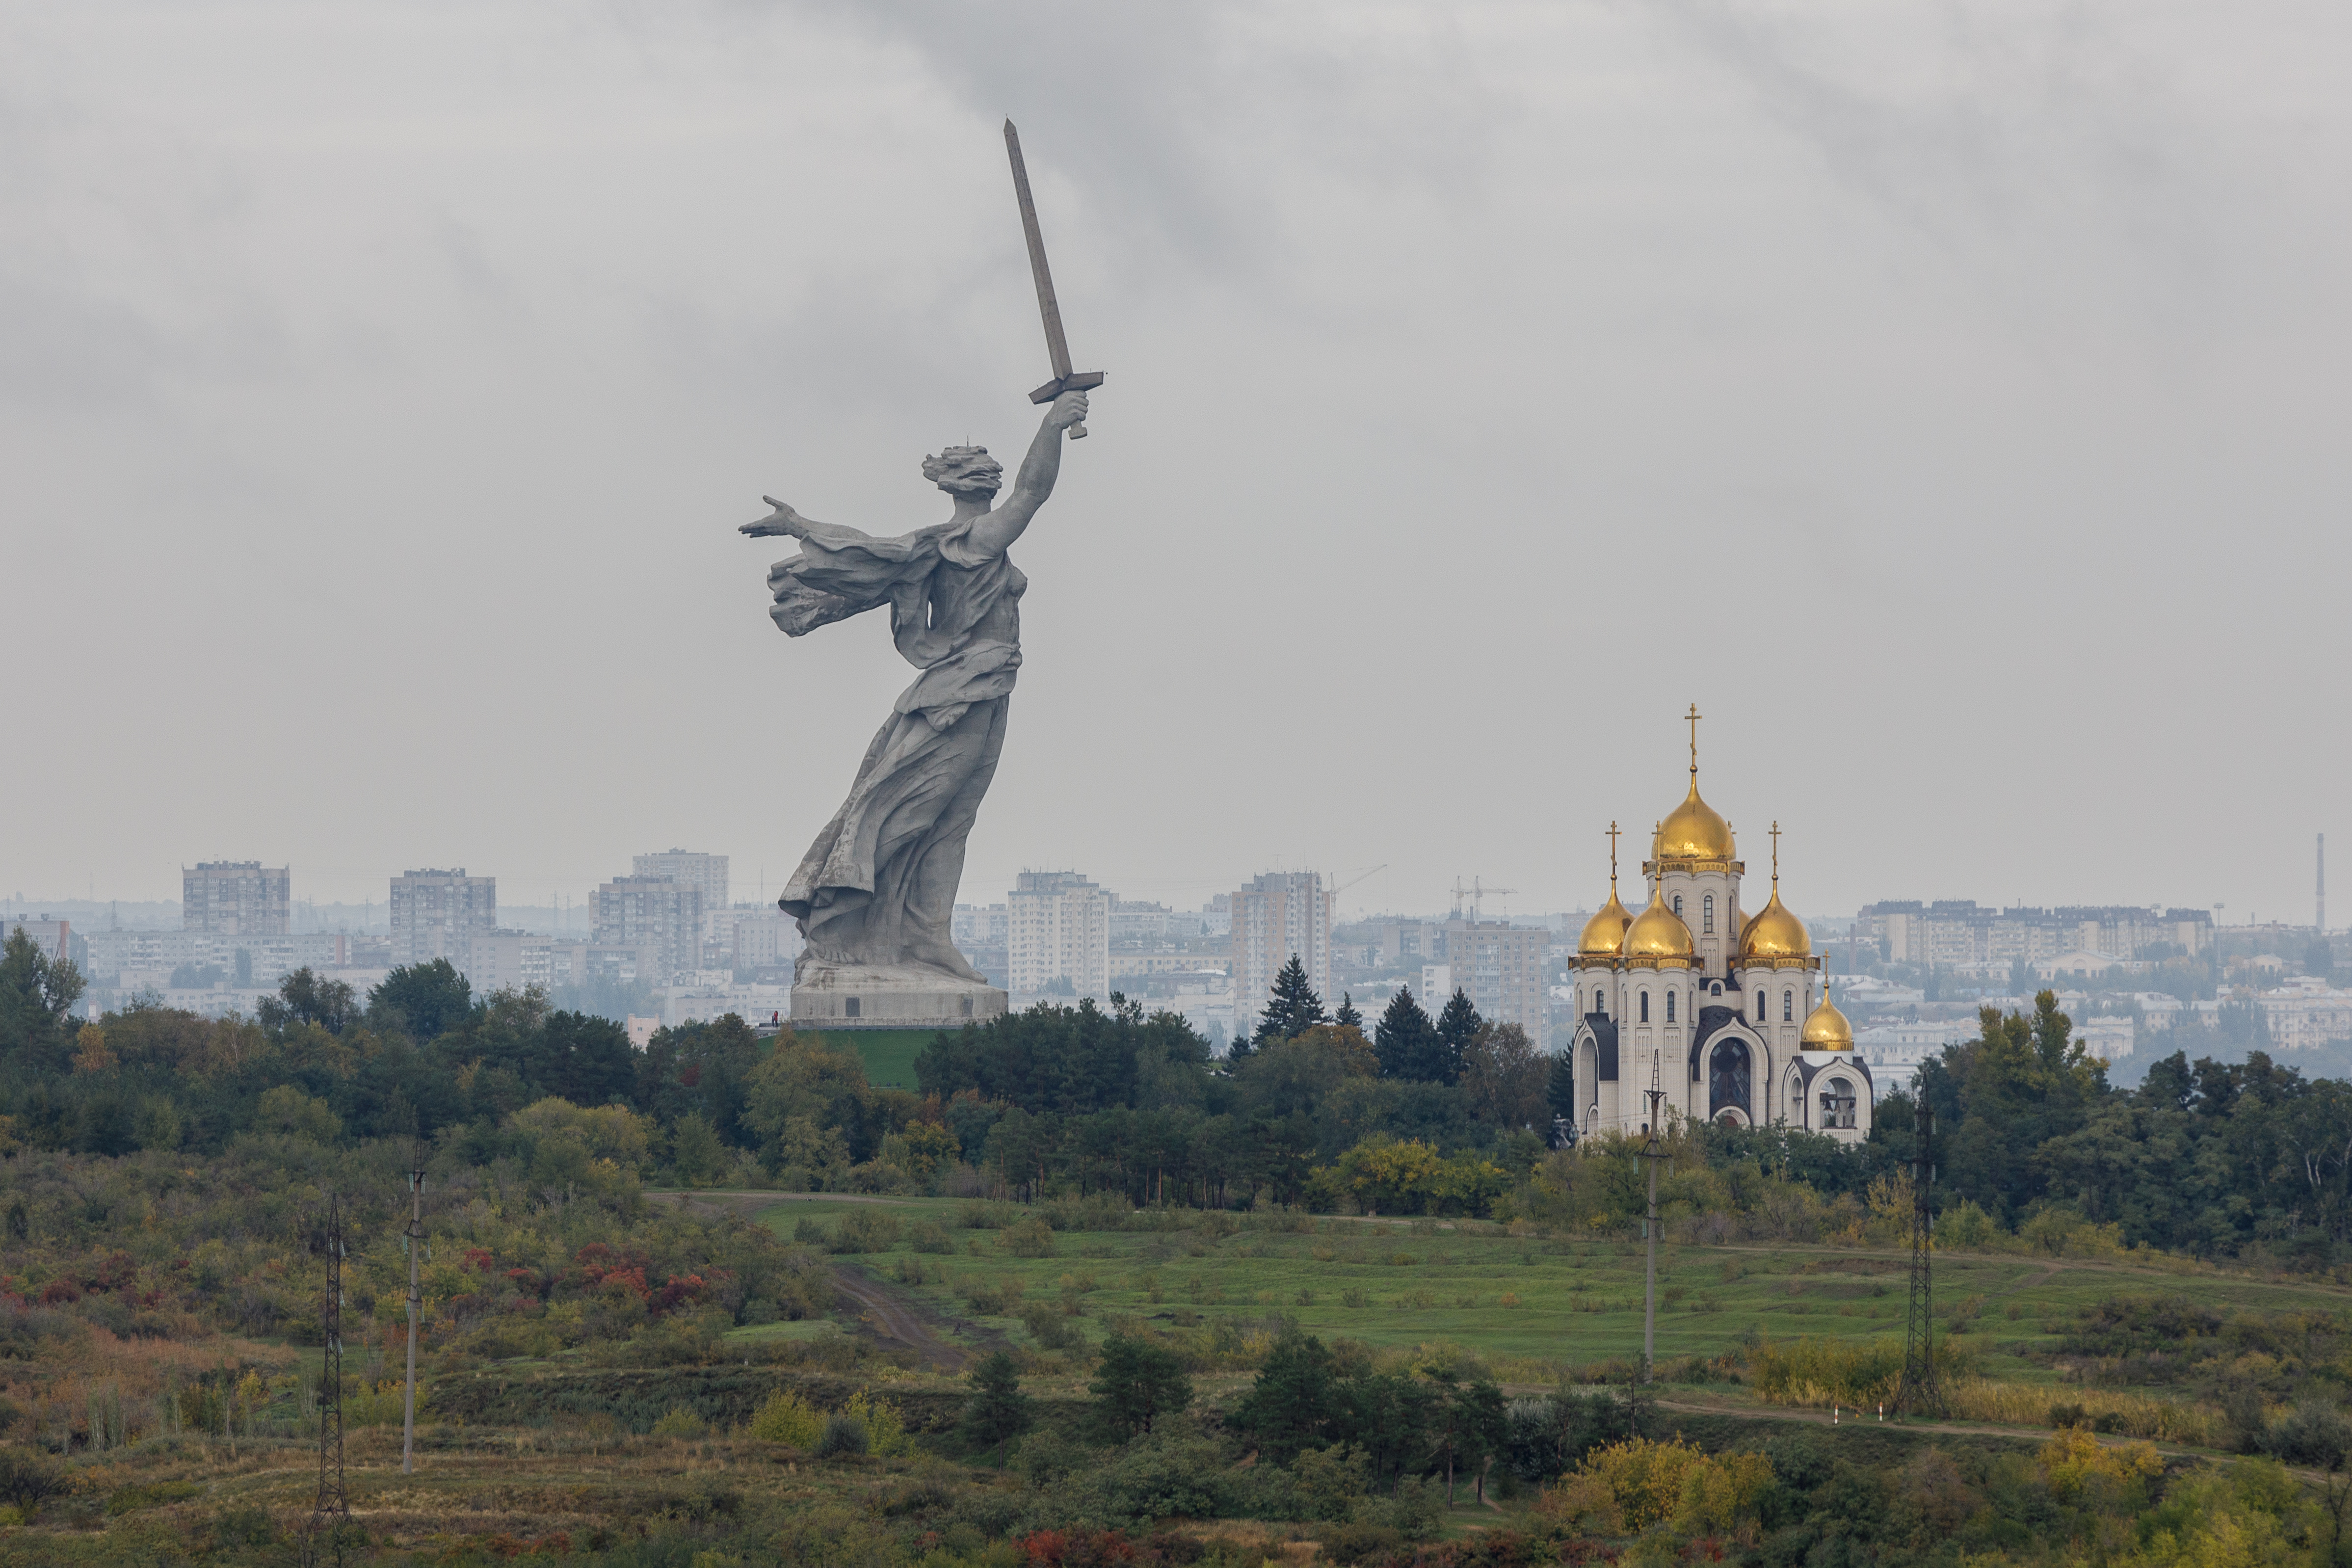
(995, 532)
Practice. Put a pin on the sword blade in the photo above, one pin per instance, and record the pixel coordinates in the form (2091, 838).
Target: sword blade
(1056, 346)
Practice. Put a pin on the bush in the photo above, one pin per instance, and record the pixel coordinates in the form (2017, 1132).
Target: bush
(27, 1480)
(843, 1434)
(1052, 1328)
(1032, 1237)
(927, 1236)
(677, 1421)
(787, 1418)
(868, 1229)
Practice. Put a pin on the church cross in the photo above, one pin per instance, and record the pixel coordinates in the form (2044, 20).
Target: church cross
(1694, 716)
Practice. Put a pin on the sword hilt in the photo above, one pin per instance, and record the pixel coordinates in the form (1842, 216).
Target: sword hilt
(1077, 381)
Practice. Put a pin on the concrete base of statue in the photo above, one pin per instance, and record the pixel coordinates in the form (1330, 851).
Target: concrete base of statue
(890, 996)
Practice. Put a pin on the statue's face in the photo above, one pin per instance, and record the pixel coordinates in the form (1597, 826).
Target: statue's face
(983, 478)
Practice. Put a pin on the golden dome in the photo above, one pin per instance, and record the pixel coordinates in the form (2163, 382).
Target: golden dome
(1693, 831)
(1604, 934)
(1775, 933)
(1658, 936)
(1825, 1027)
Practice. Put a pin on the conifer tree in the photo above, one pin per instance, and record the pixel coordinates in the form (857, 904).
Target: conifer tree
(1404, 1039)
(1293, 1008)
(1348, 1017)
(1457, 1027)
(1560, 1089)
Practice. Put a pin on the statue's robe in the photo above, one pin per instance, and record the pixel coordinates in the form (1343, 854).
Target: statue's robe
(879, 886)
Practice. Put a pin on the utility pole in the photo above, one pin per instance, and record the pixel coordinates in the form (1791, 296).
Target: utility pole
(416, 1238)
(333, 1506)
(1917, 1394)
(1652, 1153)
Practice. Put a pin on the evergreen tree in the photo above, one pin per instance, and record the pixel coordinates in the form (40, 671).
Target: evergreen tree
(1348, 1016)
(1293, 1008)
(1457, 1027)
(1137, 1384)
(1296, 1400)
(997, 1409)
(1404, 1039)
(1560, 1089)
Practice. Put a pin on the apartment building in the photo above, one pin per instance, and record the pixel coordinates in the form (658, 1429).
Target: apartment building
(1057, 929)
(235, 897)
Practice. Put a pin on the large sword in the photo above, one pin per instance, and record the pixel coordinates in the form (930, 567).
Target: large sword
(1056, 346)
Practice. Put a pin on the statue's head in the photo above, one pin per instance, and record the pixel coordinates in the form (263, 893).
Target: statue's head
(965, 471)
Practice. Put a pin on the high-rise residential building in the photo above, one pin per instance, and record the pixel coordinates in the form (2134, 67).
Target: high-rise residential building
(1057, 929)
(235, 897)
(1500, 967)
(653, 914)
(436, 914)
(707, 873)
(1276, 916)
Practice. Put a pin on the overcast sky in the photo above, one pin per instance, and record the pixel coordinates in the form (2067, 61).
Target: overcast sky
(1948, 399)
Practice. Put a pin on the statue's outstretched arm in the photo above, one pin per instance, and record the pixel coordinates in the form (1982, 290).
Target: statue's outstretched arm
(995, 532)
(784, 519)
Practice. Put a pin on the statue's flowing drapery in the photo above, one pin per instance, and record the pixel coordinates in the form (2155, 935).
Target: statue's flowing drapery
(879, 886)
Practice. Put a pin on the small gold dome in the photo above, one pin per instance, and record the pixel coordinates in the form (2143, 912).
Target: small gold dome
(1658, 935)
(1693, 831)
(1775, 933)
(1604, 934)
(1825, 1027)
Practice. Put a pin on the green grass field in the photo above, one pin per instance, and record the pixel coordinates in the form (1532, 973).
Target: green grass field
(888, 1054)
(1567, 1303)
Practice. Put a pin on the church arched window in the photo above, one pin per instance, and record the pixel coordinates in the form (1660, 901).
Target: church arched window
(1679, 906)
(1645, 1006)
(1706, 913)
(1670, 1006)
(1788, 1007)
(1759, 1007)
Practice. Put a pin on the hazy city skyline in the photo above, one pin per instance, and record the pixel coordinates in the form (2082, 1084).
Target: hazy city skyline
(1950, 413)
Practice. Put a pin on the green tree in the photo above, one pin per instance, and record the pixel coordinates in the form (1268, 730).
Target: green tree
(2000, 1098)
(1348, 1014)
(1559, 1088)
(1505, 1077)
(1137, 1384)
(1457, 1028)
(997, 1410)
(1292, 1008)
(423, 1001)
(304, 997)
(37, 992)
(1405, 1040)
(1294, 1403)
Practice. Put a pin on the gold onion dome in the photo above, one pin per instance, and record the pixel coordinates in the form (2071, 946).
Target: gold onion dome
(1693, 831)
(1775, 933)
(1825, 1027)
(1658, 935)
(1604, 934)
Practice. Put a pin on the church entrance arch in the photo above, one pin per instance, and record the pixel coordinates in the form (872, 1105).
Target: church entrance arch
(1730, 1069)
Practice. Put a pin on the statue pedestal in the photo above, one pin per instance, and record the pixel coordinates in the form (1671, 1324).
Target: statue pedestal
(890, 996)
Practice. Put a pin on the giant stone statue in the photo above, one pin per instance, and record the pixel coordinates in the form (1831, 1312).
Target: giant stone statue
(875, 891)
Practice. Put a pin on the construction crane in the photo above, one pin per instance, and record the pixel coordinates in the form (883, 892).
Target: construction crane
(1474, 893)
(1356, 879)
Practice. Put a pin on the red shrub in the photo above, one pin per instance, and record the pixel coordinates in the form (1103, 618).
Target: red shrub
(59, 1290)
(1076, 1548)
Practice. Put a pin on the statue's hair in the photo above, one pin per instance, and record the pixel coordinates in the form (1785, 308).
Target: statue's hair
(953, 462)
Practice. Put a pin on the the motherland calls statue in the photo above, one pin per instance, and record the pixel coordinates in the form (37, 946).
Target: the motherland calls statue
(875, 891)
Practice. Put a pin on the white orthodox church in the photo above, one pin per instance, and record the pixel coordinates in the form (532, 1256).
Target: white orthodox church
(1725, 1015)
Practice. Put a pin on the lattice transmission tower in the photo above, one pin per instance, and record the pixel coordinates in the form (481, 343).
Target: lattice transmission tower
(1919, 1395)
(324, 1537)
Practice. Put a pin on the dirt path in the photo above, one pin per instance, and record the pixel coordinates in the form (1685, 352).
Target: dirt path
(892, 1316)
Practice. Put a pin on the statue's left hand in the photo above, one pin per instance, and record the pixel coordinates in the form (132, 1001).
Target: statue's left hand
(783, 520)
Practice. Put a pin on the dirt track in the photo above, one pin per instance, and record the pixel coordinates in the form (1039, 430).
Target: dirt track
(892, 1317)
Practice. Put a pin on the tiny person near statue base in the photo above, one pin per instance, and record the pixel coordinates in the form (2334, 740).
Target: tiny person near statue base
(874, 893)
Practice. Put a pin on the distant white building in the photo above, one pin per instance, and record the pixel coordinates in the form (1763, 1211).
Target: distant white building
(436, 914)
(656, 914)
(1057, 929)
(1275, 917)
(235, 897)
